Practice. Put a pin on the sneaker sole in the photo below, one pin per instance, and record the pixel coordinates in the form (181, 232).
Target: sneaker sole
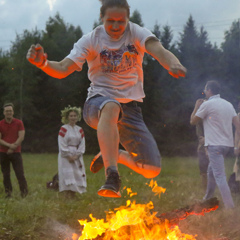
(109, 193)
(93, 161)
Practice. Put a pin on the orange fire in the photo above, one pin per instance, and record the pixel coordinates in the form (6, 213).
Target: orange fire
(132, 222)
(155, 188)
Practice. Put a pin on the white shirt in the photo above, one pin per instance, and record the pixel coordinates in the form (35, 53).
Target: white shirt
(217, 115)
(115, 66)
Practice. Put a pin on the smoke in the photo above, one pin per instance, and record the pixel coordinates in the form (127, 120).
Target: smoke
(51, 3)
(56, 230)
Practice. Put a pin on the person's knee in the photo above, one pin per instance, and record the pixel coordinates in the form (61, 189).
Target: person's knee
(221, 180)
(110, 112)
(151, 172)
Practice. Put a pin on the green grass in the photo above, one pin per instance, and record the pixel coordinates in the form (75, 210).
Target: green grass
(47, 215)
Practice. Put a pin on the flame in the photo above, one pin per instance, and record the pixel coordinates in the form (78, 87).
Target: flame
(51, 3)
(130, 192)
(131, 222)
(155, 188)
(134, 154)
(140, 222)
(74, 236)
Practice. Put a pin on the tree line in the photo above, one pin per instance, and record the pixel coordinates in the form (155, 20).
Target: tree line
(39, 98)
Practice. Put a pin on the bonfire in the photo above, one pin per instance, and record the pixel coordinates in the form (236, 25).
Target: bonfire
(140, 221)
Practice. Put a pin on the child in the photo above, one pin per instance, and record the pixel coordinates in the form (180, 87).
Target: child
(114, 52)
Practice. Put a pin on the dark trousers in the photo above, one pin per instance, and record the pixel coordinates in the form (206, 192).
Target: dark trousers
(203, 162)
(17, 163)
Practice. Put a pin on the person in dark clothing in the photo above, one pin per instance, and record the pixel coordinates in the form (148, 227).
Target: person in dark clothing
(12, 134)
(203, 160)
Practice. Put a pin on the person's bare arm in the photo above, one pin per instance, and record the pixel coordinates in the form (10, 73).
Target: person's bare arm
(21, 135)
(4, 143)
(62, 69)
(167, 59)
(236, 123)
(195, 119)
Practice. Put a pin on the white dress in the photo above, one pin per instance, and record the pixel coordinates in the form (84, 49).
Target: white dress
(72, 176)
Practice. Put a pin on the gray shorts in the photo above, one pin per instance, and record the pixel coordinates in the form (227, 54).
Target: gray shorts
(133, 132)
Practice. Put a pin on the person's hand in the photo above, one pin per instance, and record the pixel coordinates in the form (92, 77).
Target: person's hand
(10, 151)
(236, 152)
(177, 70)
(36, 55)
(199, 103)
(71, 159)
(206, 151)
(12, 146)
(201, 140)
(74, 157)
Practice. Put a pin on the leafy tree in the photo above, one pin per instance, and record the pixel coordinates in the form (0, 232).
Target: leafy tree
(157, 30)
(58, 40)
(136, 18)
(5, 72)
(39, 98)
(230, 65)
(22, 80)
(194, 50)
(167, 37)
(162, 95)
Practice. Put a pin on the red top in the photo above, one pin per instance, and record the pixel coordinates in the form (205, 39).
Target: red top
(9, 132)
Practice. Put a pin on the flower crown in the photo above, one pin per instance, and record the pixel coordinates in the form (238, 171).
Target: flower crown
(66, 110)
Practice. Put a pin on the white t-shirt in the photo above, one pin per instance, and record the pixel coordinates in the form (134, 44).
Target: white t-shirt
(217, 115)
(115, 66)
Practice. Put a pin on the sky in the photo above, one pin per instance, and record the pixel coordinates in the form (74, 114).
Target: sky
(216, 16)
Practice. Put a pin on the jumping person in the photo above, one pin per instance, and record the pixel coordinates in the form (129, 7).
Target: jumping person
(114, 52)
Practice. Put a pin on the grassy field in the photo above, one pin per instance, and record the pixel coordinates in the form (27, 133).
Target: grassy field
(47, 215)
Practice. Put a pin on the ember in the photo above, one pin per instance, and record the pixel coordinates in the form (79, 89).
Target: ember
(196, 209)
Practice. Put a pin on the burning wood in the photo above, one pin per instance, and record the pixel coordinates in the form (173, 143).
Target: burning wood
(177, 215)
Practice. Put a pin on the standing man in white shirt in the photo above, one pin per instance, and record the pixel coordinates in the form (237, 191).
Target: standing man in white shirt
(218, 115)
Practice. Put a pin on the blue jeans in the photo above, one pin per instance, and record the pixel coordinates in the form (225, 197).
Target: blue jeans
(134, 135)
(217, 176)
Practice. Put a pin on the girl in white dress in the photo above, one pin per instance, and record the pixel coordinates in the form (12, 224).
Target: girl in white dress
(71, 143)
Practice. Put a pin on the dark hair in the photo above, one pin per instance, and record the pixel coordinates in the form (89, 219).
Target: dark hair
(214, 86)
(114, 3)
(8, 104)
